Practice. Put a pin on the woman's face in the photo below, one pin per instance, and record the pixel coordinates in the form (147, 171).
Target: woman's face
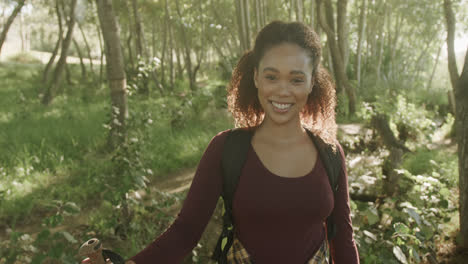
(284, 81)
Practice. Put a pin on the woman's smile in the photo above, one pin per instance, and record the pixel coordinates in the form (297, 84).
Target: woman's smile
(281, 107)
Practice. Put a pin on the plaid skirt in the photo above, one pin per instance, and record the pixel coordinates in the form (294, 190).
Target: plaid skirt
(237, 254)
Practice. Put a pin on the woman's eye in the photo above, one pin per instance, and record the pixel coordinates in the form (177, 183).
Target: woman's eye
(270, 77)
(297, 80)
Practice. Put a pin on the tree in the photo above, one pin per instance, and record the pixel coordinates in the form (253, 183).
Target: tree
(115, 71)
(460, 87)
(10, 20)
(361, 30)
(338, 47)
(45, 75)
(60, 67)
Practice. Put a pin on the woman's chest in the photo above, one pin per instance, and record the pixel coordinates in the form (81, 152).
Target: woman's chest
(261, 194)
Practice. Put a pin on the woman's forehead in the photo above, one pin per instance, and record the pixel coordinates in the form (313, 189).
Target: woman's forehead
(287, 57)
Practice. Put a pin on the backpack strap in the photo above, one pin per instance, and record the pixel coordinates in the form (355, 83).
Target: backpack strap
(234, 155)
(332, 162)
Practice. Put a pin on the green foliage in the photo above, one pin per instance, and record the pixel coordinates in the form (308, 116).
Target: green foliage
(54, 158)
(412, 124)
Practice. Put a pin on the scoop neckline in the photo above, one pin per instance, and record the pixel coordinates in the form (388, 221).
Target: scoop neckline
(278, 176)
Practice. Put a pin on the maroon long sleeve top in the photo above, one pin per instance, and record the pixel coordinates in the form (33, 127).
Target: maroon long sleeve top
(277, 219)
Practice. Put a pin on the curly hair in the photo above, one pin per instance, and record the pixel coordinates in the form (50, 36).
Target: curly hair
(318, 114)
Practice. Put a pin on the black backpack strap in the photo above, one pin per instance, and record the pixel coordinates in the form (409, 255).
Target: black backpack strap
(332, 161)
(234, 155)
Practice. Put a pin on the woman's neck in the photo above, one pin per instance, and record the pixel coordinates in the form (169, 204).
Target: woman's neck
(282, 134)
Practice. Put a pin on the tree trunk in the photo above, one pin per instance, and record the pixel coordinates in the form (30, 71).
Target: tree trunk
(80, 55)
(115, 72)
(101, 49)
(241, 25)
(247, 23)
(461, 95)
(429, 83)
(140, 37)
(460, 86)
(57, 76)
(338, 62)
(258, 23)
(361, 30)
(187, 58)
(263, 11)
(171, 56)
(342, 30)
(45, 75)
(299, 10)
(312, 15)
(10, 20)
(88, 48)
(396, 148)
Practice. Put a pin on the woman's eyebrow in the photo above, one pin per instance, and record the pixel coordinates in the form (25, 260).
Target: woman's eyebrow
(297, 72)
(291, 72)
(270, 69)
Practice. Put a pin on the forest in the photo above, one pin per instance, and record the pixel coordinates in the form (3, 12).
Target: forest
(106, 107)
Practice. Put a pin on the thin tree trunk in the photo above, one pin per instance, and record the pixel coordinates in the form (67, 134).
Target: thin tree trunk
(80, 56)
(101, 49)
(312, 14)
(342, 30)
(57, 76)
(462, 139)
(164, 50)
(460, 85)
(361, 30)
(88, 48)
(115, 71)
(67, 78)
(180, 69)
(45, 75)
(429, 83)
(140, 38)
(247, 23)
(300, 10)
(258, 24)
(187, 58)
(241, 25)
(338, 63)
(171, 57)
(263, 10)
(10, 20)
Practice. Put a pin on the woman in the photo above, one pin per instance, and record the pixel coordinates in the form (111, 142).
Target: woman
(283, 197)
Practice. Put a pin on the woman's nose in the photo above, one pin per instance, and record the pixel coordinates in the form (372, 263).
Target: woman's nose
(284, 88)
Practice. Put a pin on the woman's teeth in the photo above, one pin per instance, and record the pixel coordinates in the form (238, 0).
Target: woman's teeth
(281, 106)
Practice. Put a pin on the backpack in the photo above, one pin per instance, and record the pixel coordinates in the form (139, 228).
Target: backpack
(234, 156)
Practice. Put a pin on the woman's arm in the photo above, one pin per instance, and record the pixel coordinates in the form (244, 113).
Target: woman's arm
(343, 247)
(182, 236)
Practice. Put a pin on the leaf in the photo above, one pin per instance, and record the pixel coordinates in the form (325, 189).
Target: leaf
(69, 237)
(372, 215)
(415, 254)
(369, 234)
(71, 208)
(401, 228)
(223, 243)
(399, 254)
(414, 215)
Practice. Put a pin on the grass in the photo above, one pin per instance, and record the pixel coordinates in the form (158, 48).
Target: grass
(57, 152)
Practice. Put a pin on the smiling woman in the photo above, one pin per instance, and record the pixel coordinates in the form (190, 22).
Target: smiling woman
(290, 203)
